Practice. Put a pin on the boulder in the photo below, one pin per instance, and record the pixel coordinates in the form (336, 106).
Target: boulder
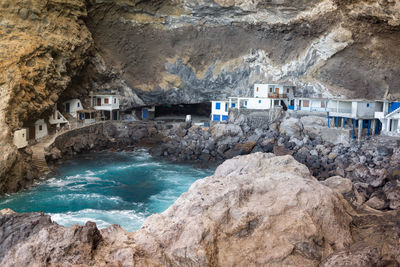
(342, 185)
(253, 204)
(314, 121)
(223, 130)
(291, 127)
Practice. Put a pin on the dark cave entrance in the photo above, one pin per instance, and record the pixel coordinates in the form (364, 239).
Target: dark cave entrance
(200, 112)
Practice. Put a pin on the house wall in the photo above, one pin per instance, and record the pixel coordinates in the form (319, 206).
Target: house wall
(259, 103)
(113, 102)
(220, 114)
(57, 118)
(363, 109)
(40, 129)
(264, 90)
(20, 138)
(74, 106)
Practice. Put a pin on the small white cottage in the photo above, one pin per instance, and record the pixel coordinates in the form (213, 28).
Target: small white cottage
(72, 107)
(56, 118)
(40, 129)
(219, 110)
(21, 138)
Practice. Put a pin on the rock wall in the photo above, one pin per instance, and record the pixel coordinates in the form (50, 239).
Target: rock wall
(189, 51)
(255, 210)
(43, 44)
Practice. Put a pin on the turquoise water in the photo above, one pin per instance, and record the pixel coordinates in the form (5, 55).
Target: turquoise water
(108, 188)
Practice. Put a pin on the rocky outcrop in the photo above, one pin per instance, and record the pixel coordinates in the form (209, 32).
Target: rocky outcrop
(43, 44)
(258, 209)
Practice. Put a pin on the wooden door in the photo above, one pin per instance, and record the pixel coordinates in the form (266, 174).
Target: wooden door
(99, 101)
(32, 132)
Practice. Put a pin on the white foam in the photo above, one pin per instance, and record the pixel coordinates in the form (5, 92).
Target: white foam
(128, 219)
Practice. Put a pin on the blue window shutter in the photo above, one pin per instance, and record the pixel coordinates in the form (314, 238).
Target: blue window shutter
(233, 105)
(245, 103)
(216, 118)
(217, 105)
(224, 117)
(226, 106)
(259, 101)
(79, 104)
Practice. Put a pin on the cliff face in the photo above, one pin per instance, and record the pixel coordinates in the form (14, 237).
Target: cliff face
(43, 44)
(188, 51)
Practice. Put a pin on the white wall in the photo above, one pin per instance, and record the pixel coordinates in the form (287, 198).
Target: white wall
(74, 106)
(365, 109)
(223, 111)
(259, 103)
(265, 89)
(113, 102)
(40, 132)
(20, 138)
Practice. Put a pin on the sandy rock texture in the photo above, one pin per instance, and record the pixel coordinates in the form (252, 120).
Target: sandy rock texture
(256, 210)
(43, 45)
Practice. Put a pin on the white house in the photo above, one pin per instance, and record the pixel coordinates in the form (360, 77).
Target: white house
(40, 129)
(278, 91)
(388, 114)
(355, 113)
(252, 103)
(311, 104)
(21, 138)
(107, 104)
(219, 110)
(56, 118)
(72, 107)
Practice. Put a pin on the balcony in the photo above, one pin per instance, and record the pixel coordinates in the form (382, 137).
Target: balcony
(277, 95)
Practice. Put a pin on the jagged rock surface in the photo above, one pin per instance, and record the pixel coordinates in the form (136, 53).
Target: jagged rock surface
(43, 44)
(258, 209)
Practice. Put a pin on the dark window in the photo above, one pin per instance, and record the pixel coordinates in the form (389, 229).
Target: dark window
(40, 127)
(217, 105)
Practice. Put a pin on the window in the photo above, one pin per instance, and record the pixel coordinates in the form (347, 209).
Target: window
(78, 104)
(40, 127)
(323, 104)
(105, 100)
(226, 106)
(306, 103)
(224, 118)
(270, 90)
(259, 101)
(257, 89)
(115, 101)
(368, 105)
(276, 90)
(218, 105)
(245, 103)
(216, 117)
(233, 105)
(287, 91)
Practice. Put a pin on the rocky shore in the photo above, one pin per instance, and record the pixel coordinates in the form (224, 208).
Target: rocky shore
(258, 209)
(373, 164)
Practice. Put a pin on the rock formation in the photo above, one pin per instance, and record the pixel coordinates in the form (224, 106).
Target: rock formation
(258, 209)
(186, 51)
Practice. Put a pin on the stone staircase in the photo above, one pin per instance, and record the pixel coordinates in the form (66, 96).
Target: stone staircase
(38, 158)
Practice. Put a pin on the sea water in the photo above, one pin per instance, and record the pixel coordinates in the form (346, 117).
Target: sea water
(108, 188)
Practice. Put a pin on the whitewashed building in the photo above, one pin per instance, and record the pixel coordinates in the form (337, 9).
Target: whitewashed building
(388, 114)
(311, 104)
(56, 118)
(40, 129)
(72, 107)
(107, 104)
(219, 110)
(20, 138)
(355, 113)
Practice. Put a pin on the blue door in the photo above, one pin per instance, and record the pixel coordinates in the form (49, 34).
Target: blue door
(216, 117)
(115, 115)
(145, 113)
(393, 106)
(67, 107)
(224, 117)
